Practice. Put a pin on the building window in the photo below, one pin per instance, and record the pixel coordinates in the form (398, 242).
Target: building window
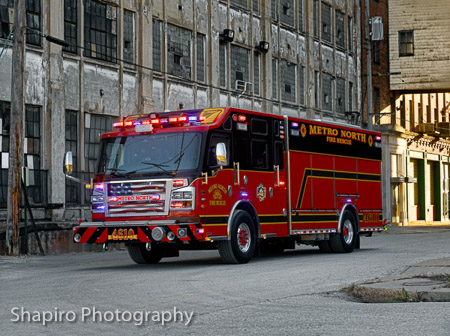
(100, 31)
(240, 67)
(32, 153)
(94, 126)
(376, 52)
(156, 45)
(301, 25)
(242, 3)
(316, 18)
(256, 73)
(288, 81)
(340, 30)
(222, 64)
(406, 43)
(287, 14)
(70, 25)
(33, 9)
(376, 101)
(5, 118)
(350, 34)
(71, 137)
(302, 85)
(327, 90)
(179, 51)
(316, 88)
(340, 96)
(274, 78)
(128, 37)
(326, 23)
(256, 6)
(350, 96)
(200, 57)
(6, 17)
(33, 35)
(274, 10)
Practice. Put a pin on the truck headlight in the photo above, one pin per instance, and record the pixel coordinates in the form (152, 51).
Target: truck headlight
(183, 199)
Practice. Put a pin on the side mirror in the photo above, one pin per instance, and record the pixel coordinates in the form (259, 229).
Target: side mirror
(221, 154)
(68, 163)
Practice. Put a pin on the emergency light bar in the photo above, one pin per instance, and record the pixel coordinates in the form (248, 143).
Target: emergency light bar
(155, 120)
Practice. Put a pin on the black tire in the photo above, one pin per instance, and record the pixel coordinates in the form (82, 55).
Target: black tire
(345, 241)
(241, 246)
(324, 246)
(140, 255)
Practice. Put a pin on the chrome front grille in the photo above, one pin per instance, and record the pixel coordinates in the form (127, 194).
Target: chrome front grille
(138, 198)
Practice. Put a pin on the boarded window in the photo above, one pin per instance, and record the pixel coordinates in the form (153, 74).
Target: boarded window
(287, 13)
(340, 30)
(71, 25)
(340, 96)
(288, 81)
(327, 101)
(156, 45)
(326, 23)
(100, 31)
(200, 57)
(128, 36)
(179, 51)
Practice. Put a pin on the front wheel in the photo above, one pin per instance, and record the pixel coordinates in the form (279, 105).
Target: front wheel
(141, 255)
(241, 245)
(345, 241)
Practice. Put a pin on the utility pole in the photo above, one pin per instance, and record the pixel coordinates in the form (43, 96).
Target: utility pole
(16, 137)
(368, 65)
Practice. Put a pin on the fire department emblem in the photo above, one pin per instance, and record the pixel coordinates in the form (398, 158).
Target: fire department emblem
(303, 130)
(261, 192)
(370, 141)
(217, 195)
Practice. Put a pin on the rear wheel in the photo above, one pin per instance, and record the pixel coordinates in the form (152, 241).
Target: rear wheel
(345, 241)
(324, 246)
(141, 255)
(241, 245)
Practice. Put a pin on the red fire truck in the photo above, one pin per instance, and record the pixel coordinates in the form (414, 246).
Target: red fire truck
(235, 180)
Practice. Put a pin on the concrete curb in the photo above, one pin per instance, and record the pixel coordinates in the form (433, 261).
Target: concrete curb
(428, 281)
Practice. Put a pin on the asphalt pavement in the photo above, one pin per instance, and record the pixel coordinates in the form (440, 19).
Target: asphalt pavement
(428, 281)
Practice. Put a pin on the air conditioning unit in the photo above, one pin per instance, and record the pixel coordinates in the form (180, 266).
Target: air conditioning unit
(377, 28)
(427, 128)
(444, 129)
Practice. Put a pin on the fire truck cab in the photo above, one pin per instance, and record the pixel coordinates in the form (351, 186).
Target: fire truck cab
(235, 180)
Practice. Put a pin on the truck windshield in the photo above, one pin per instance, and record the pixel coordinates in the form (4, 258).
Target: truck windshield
(159, 154)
